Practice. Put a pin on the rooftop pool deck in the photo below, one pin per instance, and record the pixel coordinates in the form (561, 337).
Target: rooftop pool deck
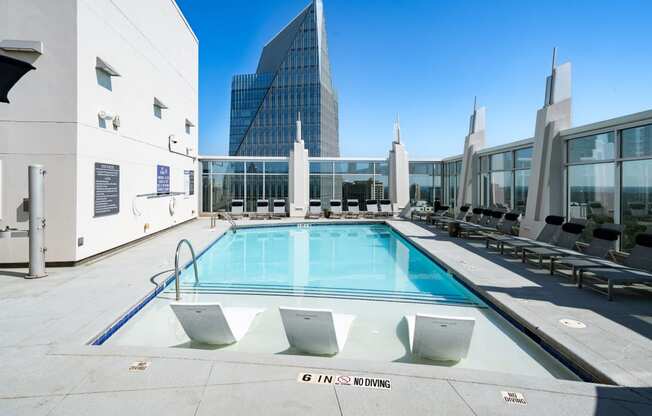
(47, 368)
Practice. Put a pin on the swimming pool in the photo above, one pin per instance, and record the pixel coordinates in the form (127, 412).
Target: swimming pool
(356, 261)
(368, 271)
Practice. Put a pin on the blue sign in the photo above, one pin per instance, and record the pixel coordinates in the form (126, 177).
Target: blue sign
(162, 179)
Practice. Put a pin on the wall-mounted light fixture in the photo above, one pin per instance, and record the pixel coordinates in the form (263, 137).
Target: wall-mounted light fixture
(105, 115)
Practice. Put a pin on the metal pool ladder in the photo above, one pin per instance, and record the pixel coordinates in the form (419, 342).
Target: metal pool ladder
(227, 217)
(176, 266)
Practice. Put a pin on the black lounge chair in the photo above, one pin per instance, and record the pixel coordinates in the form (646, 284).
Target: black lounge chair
(353, 208)
(567, 239)
(386, 207)
(594, 255)
(505, 229)
(336, 208)
(546, 237)
(314, 208)
(636, 268)
(371, 206)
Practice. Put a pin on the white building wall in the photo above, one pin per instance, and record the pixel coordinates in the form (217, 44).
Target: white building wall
(38, 126)
(150, 44)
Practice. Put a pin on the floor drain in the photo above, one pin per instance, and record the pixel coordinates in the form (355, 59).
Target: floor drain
(572, 323)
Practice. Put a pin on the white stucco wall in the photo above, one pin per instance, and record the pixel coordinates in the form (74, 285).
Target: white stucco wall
(151, 46)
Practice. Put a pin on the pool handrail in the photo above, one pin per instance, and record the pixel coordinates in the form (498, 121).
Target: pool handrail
(176, 266)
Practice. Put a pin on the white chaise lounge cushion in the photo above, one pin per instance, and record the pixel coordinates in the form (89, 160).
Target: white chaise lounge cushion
(441, 338)
(316, 331)
(209, 323)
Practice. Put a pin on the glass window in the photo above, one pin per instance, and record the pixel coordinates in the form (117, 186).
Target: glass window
(523, 158)
(382, 168)
(591, 194)
(484, 164)
(354, 187)
(205, 166)
(321, 187)
(254, 191)
(225, 188)
(422, 190)
(223, 166)
(276, 167)
(501, 189)
(521, 184)
(421, 168)
(502, 161)
(354, 167)
(206, 193)
(636, 199)
(321, 167)
(276, 187)
(637, 141)
(255, 167)
(591, 148)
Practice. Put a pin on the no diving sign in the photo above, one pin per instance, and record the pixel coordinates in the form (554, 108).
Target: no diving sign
(345, 380)
(513, 397)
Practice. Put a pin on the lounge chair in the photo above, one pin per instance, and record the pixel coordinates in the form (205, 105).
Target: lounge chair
(440, 338)
(353, 208)
(237, 208)
(209, 323)
(279, 208)
(262, 208)
(594, 255)
(439, 212)
(336, 208)
(371, 206)
(505, 228)
(638, 267)
(476, 215)
(314, 208)
(386, 207)
(546, 237)
(488, 224)
(420, 214)
(445, 220)
(316, 331)
(567, 239)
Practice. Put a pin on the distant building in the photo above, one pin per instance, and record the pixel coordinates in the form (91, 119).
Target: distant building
(293, 77)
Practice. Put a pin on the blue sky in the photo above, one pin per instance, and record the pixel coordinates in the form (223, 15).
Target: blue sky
(426, 59)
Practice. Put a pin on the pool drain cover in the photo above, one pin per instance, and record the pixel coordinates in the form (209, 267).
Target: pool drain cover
(572, 323)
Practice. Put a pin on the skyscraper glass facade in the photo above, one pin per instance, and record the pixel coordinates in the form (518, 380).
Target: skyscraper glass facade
(293, 78)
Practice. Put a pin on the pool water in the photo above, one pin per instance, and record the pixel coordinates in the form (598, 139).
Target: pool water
(356, 261)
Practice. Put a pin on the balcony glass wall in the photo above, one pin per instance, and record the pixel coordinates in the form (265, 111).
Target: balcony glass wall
(250, 180)
(346, 179)
(451, 177)
(636, 194)
(503, 179)
(591, 180)
(425, 183)
(609, 178)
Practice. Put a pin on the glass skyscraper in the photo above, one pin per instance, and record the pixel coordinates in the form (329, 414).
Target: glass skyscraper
(293, 76)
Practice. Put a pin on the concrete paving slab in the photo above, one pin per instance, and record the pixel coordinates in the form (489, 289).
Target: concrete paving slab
(114, 373)
(29, 406)
(407, 396)
(270, 398)
(488, 400)
(178, 402)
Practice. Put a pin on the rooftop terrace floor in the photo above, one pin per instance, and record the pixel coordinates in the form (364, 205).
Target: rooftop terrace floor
(46, 368)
